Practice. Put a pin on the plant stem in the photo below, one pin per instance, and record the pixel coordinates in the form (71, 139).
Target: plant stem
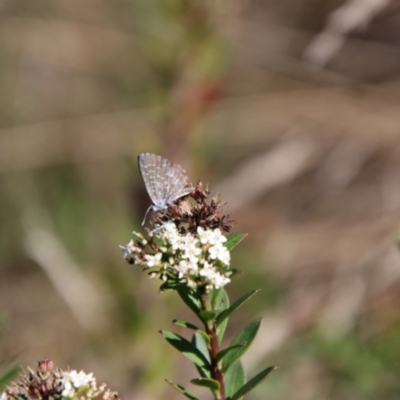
(213, 348)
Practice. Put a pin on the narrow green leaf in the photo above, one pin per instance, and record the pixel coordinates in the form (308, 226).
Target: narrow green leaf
(187, 349)
(202, 347)
(169, 285)
(183, 390)
(219, 299)
(226, 351)
(221, 330)
(8, 376)
(234, 379)
(234, 239)
(184, 324)
(212, 384)
(221, 317)
(252, 383)
(246, 336)
(206, 315)
(189, 298)
(220, 302)
(165, 286)
(188, 325)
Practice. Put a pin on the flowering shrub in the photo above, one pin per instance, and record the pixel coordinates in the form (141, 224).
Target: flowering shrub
(188, 248)
(47, 384)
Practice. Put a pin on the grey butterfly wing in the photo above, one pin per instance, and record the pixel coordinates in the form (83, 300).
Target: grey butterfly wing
(165, 182)
(150, 166)
(176, 183)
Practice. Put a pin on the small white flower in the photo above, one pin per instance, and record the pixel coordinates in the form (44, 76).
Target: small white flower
(129, 249)
(215, 278)
(153, 260)
(205, 235)
(108, 394)
(189, 248)
(207, 270)
(168, 231)
(220, 280)
(169, 227)
(185, 268)
(80, 379)
(3, 396)
(69, 390)
(210, 236)
(125, 252)
(220, 252)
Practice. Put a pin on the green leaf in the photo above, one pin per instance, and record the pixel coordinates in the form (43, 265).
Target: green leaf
(220, 302)
(226, 351)
(188, 325)
(183, 390)
(252, 383)
(184, 324)
(234, 379)
(234, 239)
(190, 299)
(169, 285)
(206, 315)
(221, 317)
(246, 336)
(221, 330)
(201, 346)
(8, 376)
(212, 384)
(219, 299)
(187, 349)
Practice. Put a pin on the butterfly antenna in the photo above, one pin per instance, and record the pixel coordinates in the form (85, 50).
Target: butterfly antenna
(145, 215)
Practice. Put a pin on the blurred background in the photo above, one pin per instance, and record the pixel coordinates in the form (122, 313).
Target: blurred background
(290, 110)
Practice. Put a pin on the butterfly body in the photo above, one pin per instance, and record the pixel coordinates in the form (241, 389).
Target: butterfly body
(165, 182)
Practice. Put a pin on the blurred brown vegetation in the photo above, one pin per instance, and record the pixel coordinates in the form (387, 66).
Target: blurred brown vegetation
(291, 110)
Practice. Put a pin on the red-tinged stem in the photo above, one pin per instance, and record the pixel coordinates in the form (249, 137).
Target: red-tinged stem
(213, 348)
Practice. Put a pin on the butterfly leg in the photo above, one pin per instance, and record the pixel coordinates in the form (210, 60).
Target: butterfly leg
(145, 215)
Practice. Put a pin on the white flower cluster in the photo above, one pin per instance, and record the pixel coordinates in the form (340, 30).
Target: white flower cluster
(80, 385)
(77, 382)
(196, 259)
(67, 384)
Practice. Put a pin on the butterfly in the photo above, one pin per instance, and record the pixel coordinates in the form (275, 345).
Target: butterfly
(165, 182)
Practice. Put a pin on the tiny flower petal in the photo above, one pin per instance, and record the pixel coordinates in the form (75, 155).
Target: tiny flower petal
(153, 260)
